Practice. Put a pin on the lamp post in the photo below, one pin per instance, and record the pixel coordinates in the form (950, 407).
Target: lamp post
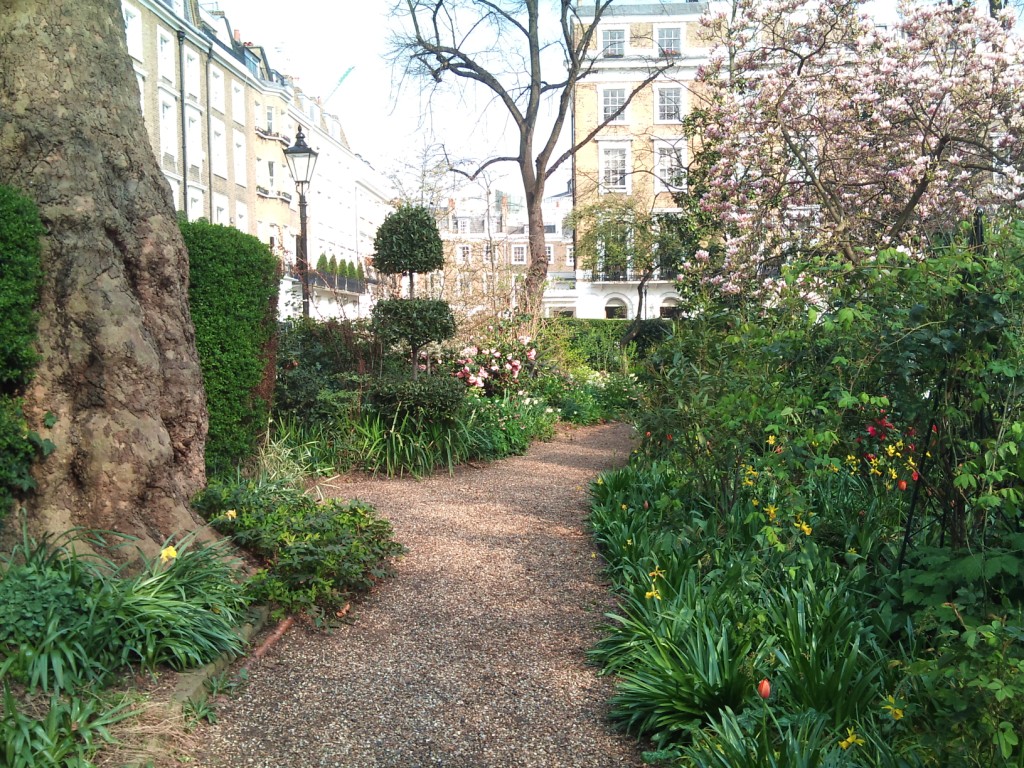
(301, 161)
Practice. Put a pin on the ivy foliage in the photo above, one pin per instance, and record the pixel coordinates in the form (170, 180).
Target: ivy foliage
(21, 278)
(408, 241)
(233, 298)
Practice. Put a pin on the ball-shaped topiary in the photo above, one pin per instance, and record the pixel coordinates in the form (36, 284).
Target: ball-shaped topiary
(408, 241)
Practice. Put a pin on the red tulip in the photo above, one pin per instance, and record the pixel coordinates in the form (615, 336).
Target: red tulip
(764, 688)
(902, 485)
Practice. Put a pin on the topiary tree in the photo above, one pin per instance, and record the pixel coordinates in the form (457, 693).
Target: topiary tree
(322, 265)
(408, 242)
(332, 265)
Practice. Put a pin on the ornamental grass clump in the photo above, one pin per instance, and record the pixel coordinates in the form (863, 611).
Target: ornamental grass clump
(70, 624)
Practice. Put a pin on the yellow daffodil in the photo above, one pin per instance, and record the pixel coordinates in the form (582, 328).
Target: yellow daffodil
(892, 709)
(167, 554)
(771, 439)
(231, 514)
(653, 593)
(803, 527)
(851, 739)
(657, 573)
(770, 510)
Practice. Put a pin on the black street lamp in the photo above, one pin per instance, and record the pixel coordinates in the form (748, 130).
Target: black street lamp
(301, 161)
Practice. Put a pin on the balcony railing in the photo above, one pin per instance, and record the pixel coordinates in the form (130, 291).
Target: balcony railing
(631, 275)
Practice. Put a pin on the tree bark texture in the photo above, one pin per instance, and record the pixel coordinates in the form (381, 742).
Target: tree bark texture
(119, 367)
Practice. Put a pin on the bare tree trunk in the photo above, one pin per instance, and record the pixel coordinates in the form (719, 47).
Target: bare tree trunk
(537, 273)
(119, 367)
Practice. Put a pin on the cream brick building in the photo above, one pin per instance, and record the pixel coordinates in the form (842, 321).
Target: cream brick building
(641, 151)
(219, 118)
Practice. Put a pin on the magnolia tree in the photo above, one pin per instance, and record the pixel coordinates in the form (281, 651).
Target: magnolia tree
(833, 136)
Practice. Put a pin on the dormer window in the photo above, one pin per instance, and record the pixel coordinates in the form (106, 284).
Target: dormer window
(613, 43)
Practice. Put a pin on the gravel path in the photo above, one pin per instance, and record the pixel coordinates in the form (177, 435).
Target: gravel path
(473, 654)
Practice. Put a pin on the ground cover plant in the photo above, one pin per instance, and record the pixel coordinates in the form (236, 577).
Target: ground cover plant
(313, 556)
(817, 542)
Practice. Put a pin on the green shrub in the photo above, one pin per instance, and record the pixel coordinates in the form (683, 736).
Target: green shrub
(318, 555)
(435, 398)
(321, 369)
(21, 279)
(20, 283)
(233, 299)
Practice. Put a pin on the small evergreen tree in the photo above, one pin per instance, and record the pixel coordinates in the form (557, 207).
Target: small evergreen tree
(406, 243)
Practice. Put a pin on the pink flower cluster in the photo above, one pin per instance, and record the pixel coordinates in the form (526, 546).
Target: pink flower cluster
(493, 368)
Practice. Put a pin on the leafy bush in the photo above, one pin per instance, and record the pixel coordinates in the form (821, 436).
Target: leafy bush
(317, 555)
(21, 278)
(233, 281)
(321, 368)
(435, 398)
(20, 282)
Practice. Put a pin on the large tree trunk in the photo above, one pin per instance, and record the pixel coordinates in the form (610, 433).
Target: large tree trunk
(119, 366)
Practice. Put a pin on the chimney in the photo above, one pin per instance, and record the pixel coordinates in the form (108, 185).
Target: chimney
(238, 35)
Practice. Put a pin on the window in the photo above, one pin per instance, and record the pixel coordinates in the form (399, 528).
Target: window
(549, 251)
(613, 43)
(168, 125)
(192, 75)
(463, 226)
(669, 169)
(165, 54)
(488, 253)
(612, 100)
(175, 192)
(237, 102)
(194, 137)
(669, 41)
(270, 119)
(218, 148)
(464, 253)
(238, 156)
(196, 203)
(615, 310)
(670, 103)
(570, 256)
(518, 254)
(613, 169)
(217, 89)
(270, 175)
(242, 217)
(133, 30)
(220, 209)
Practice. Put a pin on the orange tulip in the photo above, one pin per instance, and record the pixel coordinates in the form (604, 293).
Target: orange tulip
(764, 688)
